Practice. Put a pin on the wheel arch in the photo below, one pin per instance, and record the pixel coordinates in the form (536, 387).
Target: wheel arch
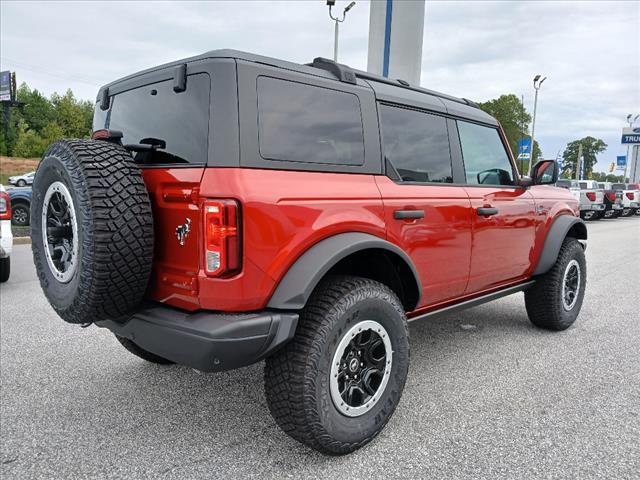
(353, 253)
(562, 227)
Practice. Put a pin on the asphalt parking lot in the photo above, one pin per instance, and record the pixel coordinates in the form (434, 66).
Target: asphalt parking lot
(488, 395)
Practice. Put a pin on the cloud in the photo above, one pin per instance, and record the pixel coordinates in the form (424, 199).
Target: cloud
(590, 51)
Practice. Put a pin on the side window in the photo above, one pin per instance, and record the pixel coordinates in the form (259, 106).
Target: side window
(416, 144)
(304, 123)
(485, 159)
(168, 127)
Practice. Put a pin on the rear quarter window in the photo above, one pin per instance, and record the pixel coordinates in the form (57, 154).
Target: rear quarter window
(305, 123)
(177, 122)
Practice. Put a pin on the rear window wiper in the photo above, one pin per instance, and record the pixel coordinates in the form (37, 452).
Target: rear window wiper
(146, 145)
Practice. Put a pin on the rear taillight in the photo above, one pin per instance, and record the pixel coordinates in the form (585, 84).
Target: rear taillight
(591, 196)
(5, 206)
(611, 196)
(222, 252)
(630, 195)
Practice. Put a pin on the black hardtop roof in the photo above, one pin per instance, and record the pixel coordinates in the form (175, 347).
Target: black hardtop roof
(403, 90)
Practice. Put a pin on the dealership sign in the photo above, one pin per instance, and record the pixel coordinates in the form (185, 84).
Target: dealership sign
(524, 149)
(5, 86)
(631, 136)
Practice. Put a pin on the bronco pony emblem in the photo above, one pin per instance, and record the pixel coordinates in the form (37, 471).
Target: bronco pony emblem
(183, 230)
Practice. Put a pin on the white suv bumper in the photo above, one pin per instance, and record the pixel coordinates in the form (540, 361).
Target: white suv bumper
(6, 238)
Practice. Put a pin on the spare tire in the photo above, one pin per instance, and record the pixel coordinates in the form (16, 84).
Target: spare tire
(91, 230)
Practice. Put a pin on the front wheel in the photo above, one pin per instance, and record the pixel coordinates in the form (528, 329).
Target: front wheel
(337, 383)
(20, 215)
(554, 301)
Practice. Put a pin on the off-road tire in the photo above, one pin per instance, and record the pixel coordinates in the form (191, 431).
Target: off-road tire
(20, 211)
(297, 376)
(114, 227)
(140, 352)
(5, 269)
(544, 301)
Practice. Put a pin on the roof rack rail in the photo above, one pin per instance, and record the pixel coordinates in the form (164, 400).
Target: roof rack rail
(342, 72)
(349, 75)
(471, 103)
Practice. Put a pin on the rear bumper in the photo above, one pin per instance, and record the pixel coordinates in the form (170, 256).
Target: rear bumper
(207, 341)
(597, 207)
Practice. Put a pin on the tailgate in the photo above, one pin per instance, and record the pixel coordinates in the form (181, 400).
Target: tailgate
(177, 234)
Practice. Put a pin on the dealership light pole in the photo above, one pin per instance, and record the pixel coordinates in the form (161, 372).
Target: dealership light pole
(338, 21)
(537, 83)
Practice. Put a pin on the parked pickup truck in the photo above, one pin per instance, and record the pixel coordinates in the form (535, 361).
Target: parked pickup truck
(630, 198)
(612, 200)
(20, 206)
(591, 200)
(572, 185)
(305, 222)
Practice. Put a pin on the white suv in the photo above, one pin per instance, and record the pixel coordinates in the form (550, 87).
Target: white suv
(6, 237)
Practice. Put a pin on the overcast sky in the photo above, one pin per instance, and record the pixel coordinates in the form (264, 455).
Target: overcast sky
(590, 51)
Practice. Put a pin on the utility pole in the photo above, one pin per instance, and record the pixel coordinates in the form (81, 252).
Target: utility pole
(338, 21)
(579, 163)
(536, 86)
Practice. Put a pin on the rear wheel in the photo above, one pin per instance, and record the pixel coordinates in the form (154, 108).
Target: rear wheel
(587, 214)
(337, 383)
(5, 269)
(627, 212)
(21, 183)
(554, 301)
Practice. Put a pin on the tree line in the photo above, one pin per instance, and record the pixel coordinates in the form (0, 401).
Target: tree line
(515, 121)
(41, 121)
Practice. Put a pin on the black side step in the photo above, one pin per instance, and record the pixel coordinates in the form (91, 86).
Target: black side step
(474, 302)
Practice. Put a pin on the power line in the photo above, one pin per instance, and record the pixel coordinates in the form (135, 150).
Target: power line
(36, 69)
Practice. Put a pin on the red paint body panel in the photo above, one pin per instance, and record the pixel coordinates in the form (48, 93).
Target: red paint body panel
(502, 243)
(456, 252)
(174, 199)
(440, 243)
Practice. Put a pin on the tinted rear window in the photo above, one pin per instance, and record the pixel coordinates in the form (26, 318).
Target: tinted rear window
(305, 123)
(563, 183)
(583, 185)
(416, 144)
(618, 186)
(156, 114)
(633, 186)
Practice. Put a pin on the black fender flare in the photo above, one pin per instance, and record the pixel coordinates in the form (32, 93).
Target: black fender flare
(296, 285)
(555, 236)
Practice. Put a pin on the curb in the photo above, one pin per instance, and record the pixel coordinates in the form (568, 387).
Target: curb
(22, 240)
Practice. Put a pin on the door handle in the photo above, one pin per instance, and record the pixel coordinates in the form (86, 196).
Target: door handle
(487, 211)
(408, 214)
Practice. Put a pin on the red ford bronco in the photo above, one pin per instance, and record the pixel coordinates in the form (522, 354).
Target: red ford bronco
(232, 208)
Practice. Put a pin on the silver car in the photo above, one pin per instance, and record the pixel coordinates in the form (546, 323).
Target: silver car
(22, 180)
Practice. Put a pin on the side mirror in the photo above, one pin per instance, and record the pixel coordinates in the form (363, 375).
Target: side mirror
(545, 172)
